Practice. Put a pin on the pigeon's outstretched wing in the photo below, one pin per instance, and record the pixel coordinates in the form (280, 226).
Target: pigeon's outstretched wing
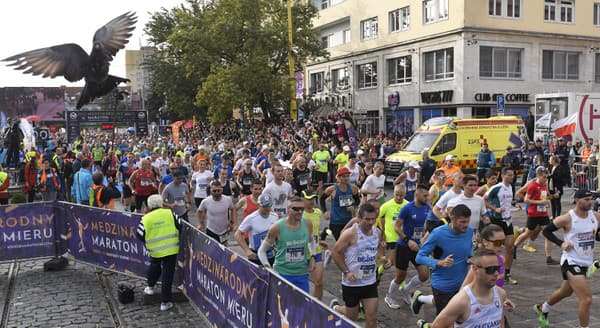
(68, 60)
(113, 36)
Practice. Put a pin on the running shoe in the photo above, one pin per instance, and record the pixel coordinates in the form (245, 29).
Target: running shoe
(509, 279)
(149, 290)
(529, 248)
(542, 316)
(326, 258)
(391, 302)
(422, 324)
(361, 312)
(415, 304)
(592, 269)
(166, 306)
(334, 302)
(404, 293)
(551, 261)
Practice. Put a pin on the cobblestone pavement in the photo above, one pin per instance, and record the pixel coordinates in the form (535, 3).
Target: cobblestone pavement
(79, 296)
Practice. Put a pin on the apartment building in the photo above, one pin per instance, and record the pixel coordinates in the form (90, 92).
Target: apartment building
(137, 72)
(396, 63)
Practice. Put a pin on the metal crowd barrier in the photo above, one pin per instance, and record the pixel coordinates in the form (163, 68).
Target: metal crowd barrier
(584, 175)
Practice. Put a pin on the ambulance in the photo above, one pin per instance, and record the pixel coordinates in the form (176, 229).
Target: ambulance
(461, 138)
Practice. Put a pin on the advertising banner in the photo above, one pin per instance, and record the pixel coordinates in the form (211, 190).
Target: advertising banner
(27, 231)
(290, 307)
(229, 290)
(106, 239)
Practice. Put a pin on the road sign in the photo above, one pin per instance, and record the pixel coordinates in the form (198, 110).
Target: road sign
(500, 105)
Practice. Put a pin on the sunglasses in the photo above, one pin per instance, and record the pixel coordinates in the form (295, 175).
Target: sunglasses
(497, 243)
(298, 209)
(490, 269)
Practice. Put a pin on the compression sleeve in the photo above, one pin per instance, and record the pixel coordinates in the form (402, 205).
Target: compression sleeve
(262, 253)
(549, 234)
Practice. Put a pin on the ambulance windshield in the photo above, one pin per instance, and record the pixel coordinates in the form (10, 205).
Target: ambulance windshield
(421, 140)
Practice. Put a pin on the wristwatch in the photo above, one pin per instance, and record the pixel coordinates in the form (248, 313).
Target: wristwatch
(405, 239)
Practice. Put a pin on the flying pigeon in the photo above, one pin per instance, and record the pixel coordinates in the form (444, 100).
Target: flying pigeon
(72, 62)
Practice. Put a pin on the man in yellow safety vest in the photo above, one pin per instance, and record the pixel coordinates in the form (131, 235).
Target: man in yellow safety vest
(159, 229)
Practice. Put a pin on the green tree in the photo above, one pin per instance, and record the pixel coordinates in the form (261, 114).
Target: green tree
(230, 54)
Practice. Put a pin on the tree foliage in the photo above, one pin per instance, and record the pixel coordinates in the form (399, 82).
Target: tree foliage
(233, 53)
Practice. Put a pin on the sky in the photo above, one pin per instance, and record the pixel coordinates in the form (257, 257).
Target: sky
(31, 24)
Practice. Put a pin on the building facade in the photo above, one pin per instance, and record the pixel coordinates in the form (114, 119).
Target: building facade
(395, 64)
(137, 72)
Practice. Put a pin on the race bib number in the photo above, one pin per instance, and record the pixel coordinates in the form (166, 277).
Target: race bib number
(180, 202)
(366, 271)
(411, 188)
(294, 254)
(322, 163)
(145, 182)
(303, 179)
(542, 208)
(585, 245)
(258, 238)
(346, 200)
(247, 182)
(417, 233)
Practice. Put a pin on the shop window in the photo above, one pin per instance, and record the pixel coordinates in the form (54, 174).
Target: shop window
(481, 112)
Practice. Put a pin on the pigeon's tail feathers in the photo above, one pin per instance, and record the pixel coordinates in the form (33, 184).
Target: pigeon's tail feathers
(68, 60)
(93, 90)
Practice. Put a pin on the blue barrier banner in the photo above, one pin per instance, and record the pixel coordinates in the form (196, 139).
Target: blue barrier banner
(106, 239)
(290, 307)
(27, 231)
(229, 290)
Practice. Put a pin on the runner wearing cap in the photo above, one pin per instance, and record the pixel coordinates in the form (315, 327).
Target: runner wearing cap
(321, 158)
(342, 158)
(257, 225)
(449, 170)
(314, 215)
(342, 201)
(580, 230)
(410, 177)
(538, 199)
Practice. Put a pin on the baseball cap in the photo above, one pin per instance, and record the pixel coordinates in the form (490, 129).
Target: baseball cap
(414, 164)
(265, 201)
(360, 152)
(582, 193)
(308, 194)
(346, 148)
(342, 171)
(449, 157)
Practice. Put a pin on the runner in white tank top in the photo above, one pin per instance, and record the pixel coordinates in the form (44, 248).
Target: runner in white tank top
(483, 315)
(582, 236)
(360, 258)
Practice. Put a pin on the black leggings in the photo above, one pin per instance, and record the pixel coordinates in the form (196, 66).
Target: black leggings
(556, 204)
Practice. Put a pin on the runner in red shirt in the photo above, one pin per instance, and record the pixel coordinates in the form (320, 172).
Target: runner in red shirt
(538, 199)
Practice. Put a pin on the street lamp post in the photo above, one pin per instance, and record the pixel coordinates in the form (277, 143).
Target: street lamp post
(293, 109)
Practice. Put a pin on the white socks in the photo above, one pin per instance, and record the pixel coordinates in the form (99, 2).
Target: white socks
(427, 299)
(546, 307)
(393, 288)
(413, 283)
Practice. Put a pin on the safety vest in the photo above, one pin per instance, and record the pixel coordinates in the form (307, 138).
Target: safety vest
(95, 194)
(29, 155)
(43, 180)
(3, 177)
(162, 237)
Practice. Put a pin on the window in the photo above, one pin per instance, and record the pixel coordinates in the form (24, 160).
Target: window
(399, 19)
(325, 4)
(316, 82)
(597, 14)
(439, 64)
(500, 62)
(327, 41)
(399, 70)
(347, 35)
(505, 8)
(560, 65)
(367, 75)
(434, 10)
(368, 29)
(448, 143)
(559, 11)
(341, 79)
(597, 70)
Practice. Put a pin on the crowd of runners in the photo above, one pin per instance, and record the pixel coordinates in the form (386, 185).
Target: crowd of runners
(297, 195)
